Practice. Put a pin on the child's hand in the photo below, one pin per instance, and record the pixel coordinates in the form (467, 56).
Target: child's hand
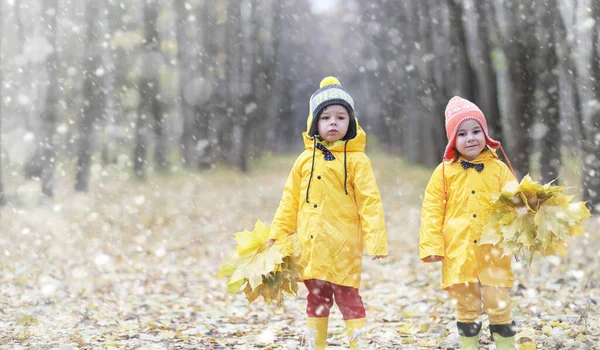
(433, 258)
(375, 257)
(270, 242)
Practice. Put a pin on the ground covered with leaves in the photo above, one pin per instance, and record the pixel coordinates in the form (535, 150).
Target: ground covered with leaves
(134, 264)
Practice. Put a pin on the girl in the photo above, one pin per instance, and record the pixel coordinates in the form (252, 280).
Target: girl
(454, 211)
(331, 200)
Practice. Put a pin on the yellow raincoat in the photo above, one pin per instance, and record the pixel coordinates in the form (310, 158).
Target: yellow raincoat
(333, 227)
(453, 230)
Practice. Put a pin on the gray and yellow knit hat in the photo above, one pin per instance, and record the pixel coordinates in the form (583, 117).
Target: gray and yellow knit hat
(331, 92)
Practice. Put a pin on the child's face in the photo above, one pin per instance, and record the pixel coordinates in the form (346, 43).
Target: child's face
(333, 123)
(470, 139)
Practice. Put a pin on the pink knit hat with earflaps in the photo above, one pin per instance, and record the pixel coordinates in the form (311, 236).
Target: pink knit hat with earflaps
(457, 111)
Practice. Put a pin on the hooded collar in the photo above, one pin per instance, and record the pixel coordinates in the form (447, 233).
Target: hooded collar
(485, 156)
(356, 144)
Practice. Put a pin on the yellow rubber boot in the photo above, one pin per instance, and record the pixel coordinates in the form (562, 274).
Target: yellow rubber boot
(317, 337)
(356, 329)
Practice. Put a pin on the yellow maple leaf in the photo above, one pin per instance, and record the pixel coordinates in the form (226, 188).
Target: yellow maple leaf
(228, 267)
(251, 241)
(527, 346)
(259, 270)
(254, 266)
(533, 219)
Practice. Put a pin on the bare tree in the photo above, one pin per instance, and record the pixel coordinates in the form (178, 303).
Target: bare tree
(430, 92)
(49, 113)
(150, 109)
(114, 59)
(188, 71)
(519, 46)
(233, 141)
(272, 61)
(485, 89)
(93, 84)
(457, 73)
(379, 46)
(212, 104)
(550, 148)
(591, 144)
(199, 85)
(2, 197)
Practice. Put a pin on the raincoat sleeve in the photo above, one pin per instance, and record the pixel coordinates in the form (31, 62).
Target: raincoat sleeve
(431, 240)
(285, 220)
(370, 209)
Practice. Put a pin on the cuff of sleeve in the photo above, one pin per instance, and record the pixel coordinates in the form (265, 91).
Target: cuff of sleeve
(379, 251)
(278, 236)
(423, 255)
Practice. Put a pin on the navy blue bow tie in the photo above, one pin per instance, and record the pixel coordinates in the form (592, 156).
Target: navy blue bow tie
(467, 165)
(328, 155)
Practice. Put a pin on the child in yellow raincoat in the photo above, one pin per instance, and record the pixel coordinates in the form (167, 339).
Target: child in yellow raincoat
(452, 217)
(332, 202)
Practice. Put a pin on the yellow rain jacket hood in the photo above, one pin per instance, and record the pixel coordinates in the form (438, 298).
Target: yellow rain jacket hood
(453, 229)
(333, 227)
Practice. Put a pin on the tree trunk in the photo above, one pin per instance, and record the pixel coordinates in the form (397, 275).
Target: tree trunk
(519, 46)
(414, 121)
(112, 59)
(550, 160)
(49, 114)
(28, 86)
(591, 147)
(152, 41)
(430, 93)
(486, 81)
(2, 197)
(139, 151)
(234, 72)
(458, 75)
(93, 95)
(211, 108)
(150, 107)
(274, 80)
(187, 72)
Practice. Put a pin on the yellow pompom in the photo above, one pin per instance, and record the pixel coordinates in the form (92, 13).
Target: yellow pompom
(329, 81)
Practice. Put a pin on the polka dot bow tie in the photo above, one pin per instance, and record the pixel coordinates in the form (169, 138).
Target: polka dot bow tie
(467, 165)
(328, 155)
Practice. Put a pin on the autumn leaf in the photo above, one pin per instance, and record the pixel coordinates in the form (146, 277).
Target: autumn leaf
(527, 346)
(249, 241)
(27, 320)
(260, 270)
(533, 219)
(254, 266)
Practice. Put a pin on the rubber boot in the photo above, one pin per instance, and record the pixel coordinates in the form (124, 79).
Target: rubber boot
(316, 337)
(469, 335)
(357, 333)
(504, 335)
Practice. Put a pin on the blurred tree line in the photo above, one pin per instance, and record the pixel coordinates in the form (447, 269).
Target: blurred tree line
(149, 85)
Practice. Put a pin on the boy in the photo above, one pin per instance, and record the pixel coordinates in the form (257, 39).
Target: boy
(332, 202)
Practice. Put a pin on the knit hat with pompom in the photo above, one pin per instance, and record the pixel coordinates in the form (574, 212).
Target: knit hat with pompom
(331, 92)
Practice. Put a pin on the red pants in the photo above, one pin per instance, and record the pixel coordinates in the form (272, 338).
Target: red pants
(322, 293)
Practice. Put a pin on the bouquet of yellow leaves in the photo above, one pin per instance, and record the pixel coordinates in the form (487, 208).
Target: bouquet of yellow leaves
(258, 269)
(530, 218)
